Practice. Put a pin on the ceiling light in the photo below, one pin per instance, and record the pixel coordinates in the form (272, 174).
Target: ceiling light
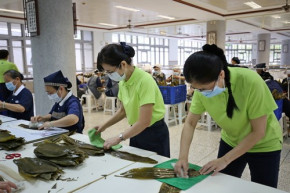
(11, 11)
(253, 5)
(162, 32)
(276, 16)
(127, 8)
(287, 22)
(108, 24)
(165, 17)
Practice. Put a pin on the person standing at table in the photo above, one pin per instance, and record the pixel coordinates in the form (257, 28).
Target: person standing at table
(241, 104)
(19, 103)
(142, 102)
(4, 66)
(67, 112)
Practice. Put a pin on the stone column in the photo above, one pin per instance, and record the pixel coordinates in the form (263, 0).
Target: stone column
(263, 48)
(53, 49)
(285, 52)
(216, 30)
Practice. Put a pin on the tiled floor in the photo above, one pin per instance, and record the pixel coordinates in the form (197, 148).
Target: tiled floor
(203, 149)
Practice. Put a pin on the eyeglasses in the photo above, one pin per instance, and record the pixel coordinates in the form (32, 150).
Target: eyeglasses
(206, 90)
(114, 70)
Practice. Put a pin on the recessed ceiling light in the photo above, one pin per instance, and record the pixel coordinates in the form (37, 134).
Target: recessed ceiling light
(11, 11)
(127, 8)
(108, 24)
(253, 5)
(276, 16)
(165, 17)
(287, 22)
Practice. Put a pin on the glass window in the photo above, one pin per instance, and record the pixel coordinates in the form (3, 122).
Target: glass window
(88, 51)
(128, 38)
(87, 35)
(140, 40)
(78, 57)
(115, 38)
(122, 37)
(3, 28)
(28, 56)
(28, 42)
(146, 40)
(18, 55)
(16, 29)
(3, 44)
(134, 39)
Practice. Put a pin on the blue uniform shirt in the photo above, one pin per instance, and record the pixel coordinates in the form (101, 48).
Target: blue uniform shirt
(23, 98)
(69, 106)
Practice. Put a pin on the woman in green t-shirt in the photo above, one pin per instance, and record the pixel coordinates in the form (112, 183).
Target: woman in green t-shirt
(241, 104)
(142, 102)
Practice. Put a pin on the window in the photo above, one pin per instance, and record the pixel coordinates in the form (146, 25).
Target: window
(186, 48)
(16, 29)
(3, 28)
(12, 38)
(149, 50)
(275, 54)
(242, 51)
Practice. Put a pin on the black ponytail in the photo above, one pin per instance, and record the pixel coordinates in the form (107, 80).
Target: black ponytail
(205, 67)
(114, 54)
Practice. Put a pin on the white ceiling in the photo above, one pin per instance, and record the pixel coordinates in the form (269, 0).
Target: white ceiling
(247, 25)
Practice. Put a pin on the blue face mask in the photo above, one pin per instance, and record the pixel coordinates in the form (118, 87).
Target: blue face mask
(54, 97)
(116, 76)
(10, 86)
(211, 93)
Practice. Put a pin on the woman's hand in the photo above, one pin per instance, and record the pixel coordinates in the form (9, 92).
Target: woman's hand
(36, 119)
(181, 168)
(46, 125)
(214, 166)
(111, 142)
(6, 187)
(99, 129)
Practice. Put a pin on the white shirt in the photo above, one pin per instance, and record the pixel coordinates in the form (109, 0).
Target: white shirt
(65, 98)
(18, 90)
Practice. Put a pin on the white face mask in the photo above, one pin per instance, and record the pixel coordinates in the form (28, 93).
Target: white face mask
(116, 76)
(54, 97)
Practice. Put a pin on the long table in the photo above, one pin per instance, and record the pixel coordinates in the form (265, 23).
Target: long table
(91, 170)
(97, 174)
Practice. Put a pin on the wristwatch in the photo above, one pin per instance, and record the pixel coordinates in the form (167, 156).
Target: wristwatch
(121, 137)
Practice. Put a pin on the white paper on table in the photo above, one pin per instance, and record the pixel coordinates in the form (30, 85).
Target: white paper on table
(30, 135)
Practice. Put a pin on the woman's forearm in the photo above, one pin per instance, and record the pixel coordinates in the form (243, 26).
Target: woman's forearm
(187, 135)
(66, 121)
(13, 107)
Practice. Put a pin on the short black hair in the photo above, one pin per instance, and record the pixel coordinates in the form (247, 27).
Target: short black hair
(14, 74)
(236, 59)
(4, 54)
(114, 54)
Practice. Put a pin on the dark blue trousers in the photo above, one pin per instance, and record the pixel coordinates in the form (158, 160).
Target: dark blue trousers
(264, 166)
(154, 138)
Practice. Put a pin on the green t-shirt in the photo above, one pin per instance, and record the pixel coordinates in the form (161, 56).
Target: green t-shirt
(253, 99)
(5, 66)
(139, 90)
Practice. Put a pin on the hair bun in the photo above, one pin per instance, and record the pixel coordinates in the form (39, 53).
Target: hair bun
(213, 49)
(128, 50)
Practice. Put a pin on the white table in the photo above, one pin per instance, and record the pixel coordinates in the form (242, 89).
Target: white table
(5, 119)
(91, 170)
(30, 135)
(220, 183)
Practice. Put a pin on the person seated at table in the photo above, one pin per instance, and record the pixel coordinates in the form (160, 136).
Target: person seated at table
(176, 78)
(261, 70)
(235, 60)
(6, 186)
(19, 103)
(67, 112)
